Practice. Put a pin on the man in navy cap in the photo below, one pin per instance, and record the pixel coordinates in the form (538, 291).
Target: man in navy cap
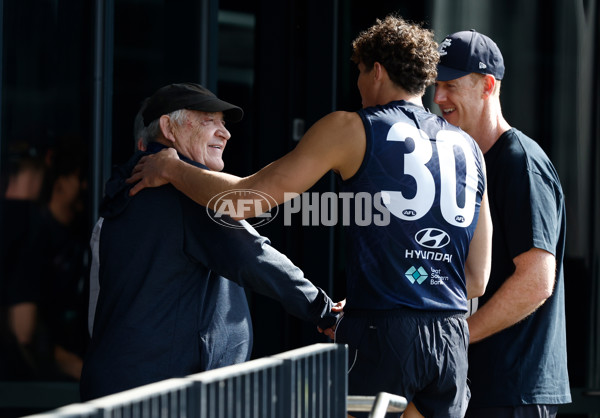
(164, 307)
(517, 353)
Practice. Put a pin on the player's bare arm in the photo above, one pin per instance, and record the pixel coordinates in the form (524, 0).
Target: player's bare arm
(22, 321)
(336, 142)
(479, 261)
(520, 295)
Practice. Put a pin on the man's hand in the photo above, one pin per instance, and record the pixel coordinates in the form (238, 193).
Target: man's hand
(149, 170)
(338, 307)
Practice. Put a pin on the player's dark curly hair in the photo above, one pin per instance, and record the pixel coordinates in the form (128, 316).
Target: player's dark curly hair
(406, 50)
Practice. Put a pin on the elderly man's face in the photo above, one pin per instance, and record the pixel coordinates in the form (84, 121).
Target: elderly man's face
(203, 137)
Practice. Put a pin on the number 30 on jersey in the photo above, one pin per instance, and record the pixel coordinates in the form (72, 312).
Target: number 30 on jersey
(451, 145)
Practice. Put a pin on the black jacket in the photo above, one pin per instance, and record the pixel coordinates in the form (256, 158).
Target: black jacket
(165, 309)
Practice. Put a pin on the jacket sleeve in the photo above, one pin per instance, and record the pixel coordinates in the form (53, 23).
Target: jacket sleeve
(242, 255)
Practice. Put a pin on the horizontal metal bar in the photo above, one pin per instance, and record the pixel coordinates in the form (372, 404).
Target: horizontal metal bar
(78, 410)
(240, 369)
(308, 351)
(360, 403)
(384, 401)
(387, 402)
(141, 393)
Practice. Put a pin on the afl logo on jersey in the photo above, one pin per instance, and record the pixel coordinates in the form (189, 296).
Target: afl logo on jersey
(432, 238)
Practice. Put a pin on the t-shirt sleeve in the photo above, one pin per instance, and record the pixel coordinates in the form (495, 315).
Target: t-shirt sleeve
(545, 211)
(529, 209)
(514, 207)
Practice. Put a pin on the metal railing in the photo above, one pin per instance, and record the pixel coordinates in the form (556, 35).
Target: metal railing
(318, 382)
(246, 390)
(309, 382)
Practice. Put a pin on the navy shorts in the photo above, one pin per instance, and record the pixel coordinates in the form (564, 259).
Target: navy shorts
(421, 356)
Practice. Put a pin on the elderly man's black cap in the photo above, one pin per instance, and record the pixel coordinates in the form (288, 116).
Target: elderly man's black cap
(189, 96)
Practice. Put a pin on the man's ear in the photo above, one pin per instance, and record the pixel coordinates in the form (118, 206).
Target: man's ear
(166, 128)
(378, 70)
(489, 83)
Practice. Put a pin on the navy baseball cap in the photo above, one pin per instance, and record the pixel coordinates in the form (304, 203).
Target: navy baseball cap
(467, 52)
(189, 96)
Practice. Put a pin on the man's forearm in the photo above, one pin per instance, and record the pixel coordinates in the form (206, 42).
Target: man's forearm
(203, 185)
(519, 296)
(198, 184)
(509, 305)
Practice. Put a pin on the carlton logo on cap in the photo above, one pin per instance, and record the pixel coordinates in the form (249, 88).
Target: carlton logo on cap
(466, 52)
(445, 44)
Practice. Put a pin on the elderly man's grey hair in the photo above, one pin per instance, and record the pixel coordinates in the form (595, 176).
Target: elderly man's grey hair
(152, 131)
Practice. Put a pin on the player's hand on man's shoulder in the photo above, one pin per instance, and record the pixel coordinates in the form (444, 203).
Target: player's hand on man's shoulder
(150, 170)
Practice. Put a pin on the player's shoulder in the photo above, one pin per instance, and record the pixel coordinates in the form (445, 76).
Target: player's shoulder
(338, 125)
(341, 117)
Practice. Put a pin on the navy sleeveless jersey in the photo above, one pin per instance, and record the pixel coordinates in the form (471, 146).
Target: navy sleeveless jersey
(416, 203)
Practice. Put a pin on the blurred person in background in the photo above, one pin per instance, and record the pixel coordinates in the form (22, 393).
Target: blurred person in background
(47, 306)
(64, 258)
(19, 212)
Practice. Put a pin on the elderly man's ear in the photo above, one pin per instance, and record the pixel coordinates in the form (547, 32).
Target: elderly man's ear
(166, 127)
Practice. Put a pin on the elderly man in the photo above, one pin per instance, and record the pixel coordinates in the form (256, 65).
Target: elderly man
(164, 308)
(517, 356)
(408, 280)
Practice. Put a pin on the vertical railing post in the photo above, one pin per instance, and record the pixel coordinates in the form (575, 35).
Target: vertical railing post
(339, 395)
